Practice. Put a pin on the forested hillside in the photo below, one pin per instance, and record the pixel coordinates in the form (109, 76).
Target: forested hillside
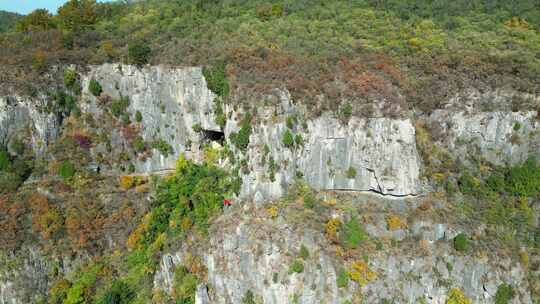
(7, 20)
(423, 50)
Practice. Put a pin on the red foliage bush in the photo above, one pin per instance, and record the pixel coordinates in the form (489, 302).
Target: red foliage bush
(130, 132)
(85, 227)
(46, 220)
(11, 219)
(84, 141)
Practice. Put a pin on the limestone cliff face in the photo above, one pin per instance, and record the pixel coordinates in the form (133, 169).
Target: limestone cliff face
(27, 118)
(499, 137)
(23, 276)
(381, 151)
(376, 155)
(170, 100)
(247, 251)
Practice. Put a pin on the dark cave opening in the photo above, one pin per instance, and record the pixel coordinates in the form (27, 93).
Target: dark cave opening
(211, 135)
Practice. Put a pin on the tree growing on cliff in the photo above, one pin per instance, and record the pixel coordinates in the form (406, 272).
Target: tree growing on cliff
(94, 87)
(138, 53)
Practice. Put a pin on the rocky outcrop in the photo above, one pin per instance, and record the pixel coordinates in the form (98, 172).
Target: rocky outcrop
(499, 137)
(380, 152)
(23, 277)
(377, 155)
(170, 100)
(250, 253)
(27, 118)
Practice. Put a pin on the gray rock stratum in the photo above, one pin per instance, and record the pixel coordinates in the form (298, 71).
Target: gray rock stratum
(248, 252)
(20, 117)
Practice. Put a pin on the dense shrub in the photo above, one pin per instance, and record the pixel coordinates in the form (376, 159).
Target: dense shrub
(118, 107)
(217, 80)
(80, 291)
(139, 145)
(163, 147)
(298, 140)
(351, 172)
(504, 294)
(70, 78)
(193, 195)
(296, 267)
(94, 87)
(524, 180)
(288, 139)
(469, 184)
(346, 112)
(138, 116)
(13, 171)
(268, 11)
(184, 285)
(248, 298)
(461, 242)
(241, 139)
(304, 252)
(5, 160)
(456, 296)
(139, 53)
(118, 293)
(291, 122)
(9, 182)
(342, 279)
(352, 234)
(66, 170)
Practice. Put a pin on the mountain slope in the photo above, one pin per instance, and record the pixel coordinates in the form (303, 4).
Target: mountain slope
(8, 20)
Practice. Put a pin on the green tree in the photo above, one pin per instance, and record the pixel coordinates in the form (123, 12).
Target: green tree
(5, 162)
(138, 53)
(138, 116)
(67, 170)
(461, 242)
(77, 15)
(353, 234)
(118, 293)
(94, 87)
(38, 20)
(288, 139)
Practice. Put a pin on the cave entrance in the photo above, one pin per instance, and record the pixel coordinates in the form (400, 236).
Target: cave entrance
(211, 135)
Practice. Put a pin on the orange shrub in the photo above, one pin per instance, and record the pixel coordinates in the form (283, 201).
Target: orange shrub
(127, 182)
(361, 274)
(46, 219)
(394, 222)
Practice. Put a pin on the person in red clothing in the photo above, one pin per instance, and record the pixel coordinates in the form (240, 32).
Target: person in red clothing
(227, 203)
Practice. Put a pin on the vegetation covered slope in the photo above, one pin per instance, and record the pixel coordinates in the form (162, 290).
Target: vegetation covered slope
(412, 53)
(8, 20)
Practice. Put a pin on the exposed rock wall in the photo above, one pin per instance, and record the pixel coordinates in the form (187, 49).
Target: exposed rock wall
(382, 151)
(253, 253)
(499, 137)
(27, 118)
(171, 101)
(24, 277)
(376, 155)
